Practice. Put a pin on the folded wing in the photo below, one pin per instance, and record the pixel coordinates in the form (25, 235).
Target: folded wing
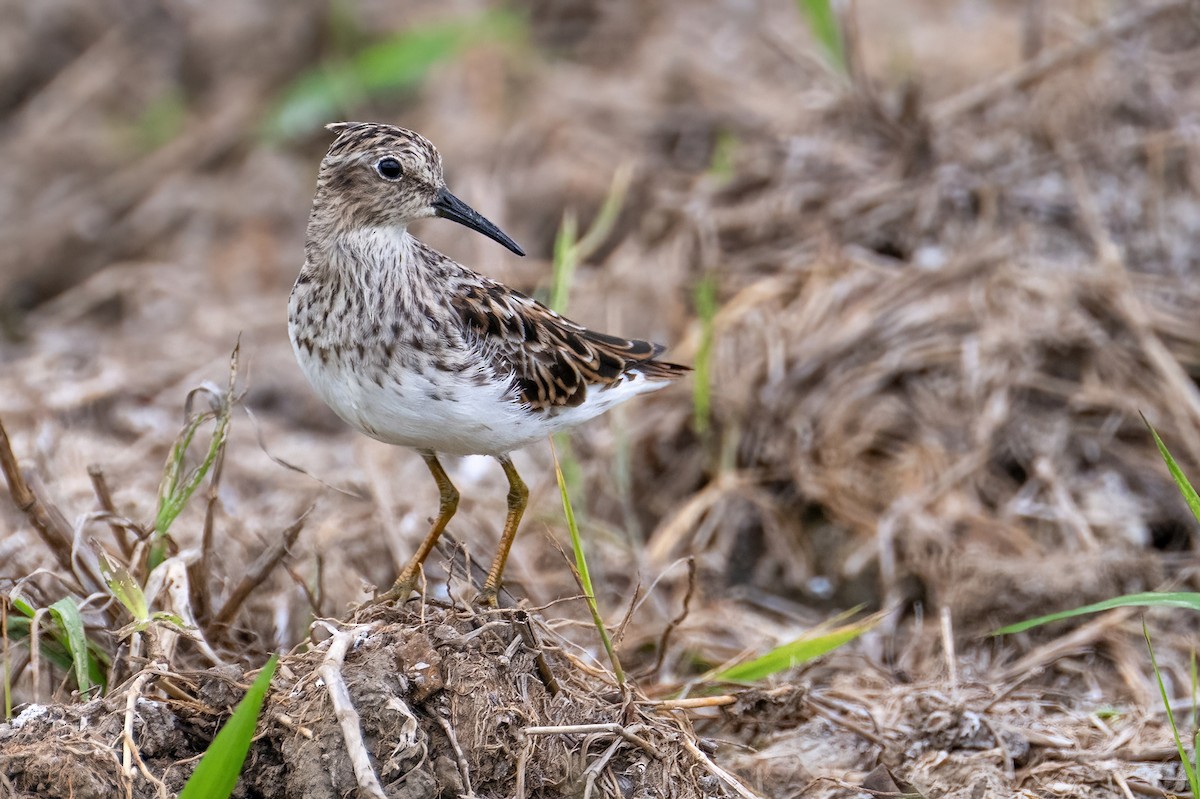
(554, 360)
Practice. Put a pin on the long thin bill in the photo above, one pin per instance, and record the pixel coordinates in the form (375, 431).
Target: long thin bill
(450, 207)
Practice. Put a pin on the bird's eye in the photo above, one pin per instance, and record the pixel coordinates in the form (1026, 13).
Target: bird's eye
(389, 169)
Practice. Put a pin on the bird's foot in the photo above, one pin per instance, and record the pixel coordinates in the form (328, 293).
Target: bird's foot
(398, 593)
(488, 597)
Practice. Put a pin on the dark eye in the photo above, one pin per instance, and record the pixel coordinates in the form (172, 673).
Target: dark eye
(389, 169)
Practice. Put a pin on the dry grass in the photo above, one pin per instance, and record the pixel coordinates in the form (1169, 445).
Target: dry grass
(947, 286)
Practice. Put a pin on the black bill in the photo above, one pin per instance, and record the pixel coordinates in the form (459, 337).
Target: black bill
(448, 206)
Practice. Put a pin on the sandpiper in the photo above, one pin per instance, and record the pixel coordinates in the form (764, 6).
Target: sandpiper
(414, 349)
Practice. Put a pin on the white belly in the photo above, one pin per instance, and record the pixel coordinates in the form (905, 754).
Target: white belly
(455, 414)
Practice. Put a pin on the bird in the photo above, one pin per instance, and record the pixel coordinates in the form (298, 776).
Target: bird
(414, 349)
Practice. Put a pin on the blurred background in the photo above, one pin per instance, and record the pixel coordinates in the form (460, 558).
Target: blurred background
(929, 258)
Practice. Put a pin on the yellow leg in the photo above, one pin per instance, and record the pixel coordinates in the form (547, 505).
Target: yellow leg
(518, 497)
(407, 581)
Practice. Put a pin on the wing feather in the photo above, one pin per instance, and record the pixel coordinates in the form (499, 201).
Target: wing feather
(554, 361)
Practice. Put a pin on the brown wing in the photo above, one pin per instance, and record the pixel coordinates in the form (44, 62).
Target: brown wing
(554, 360)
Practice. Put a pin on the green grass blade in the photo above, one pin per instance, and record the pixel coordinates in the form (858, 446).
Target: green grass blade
(216, 774)
(178, 486)
(720, 166)
(606, 218)
(581, 568)
(54, 647)
(1188, 768)
(7, 658)
(805, 648)
(706, 310)
(564, 263)
(66, 614)
(400, 62)
(1185, 487)
(1150, 599)
(125, 589)
(824, 25)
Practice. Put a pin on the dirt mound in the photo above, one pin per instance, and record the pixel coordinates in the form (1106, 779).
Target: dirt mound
(429, 701)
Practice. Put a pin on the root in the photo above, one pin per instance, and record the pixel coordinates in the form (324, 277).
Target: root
(330, 671)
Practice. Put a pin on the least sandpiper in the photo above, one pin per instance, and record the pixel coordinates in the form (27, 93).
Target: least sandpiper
(414, 349)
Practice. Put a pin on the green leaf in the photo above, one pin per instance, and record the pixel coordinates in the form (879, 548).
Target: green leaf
(161, 121)
(1188, 768)
(706, 310)
(581, 569)
(179, 484)
(805, 648)
(66, 614)
(564, 263)
(216, 774)
(1150, 599)
(1185, 488)
(823, 23)
(400, 62)
(125, 589)
(720, 166)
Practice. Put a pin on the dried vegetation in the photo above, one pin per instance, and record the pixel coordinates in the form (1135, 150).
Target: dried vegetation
(947, 283)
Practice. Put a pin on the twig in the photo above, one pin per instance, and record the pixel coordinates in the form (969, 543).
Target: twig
(258, 572)
(104, 497)
(35, 653)
(463, 768)
(629, 733)
(199, 571)
(824, 711)
(660, 705)
(330, 671)
(529, 637)
(593, 771)
(313, 597)
(619, 633)
(1051, 61)
(130, 753)
(522, 762)
(947, 627)
(127, 743)
(665, 638)
(48, 521)
(718, 772)
(262, 444)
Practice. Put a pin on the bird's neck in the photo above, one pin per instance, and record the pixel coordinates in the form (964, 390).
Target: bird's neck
(359, 249)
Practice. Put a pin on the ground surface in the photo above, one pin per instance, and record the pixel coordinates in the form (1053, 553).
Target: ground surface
(946, 284)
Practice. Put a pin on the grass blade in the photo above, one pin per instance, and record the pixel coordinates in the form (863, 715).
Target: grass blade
(581, 568)
(823, 23)
(1188, 768)
(706, 310)
(125, 589)
(807, 647)
(387, 67)
(7, 658)
(1189, 494)
(177, 485)
(66, 614)
(216, 774)
(1150, 599)
(564, 263)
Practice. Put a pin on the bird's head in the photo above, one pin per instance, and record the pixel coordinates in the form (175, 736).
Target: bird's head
(377, 175)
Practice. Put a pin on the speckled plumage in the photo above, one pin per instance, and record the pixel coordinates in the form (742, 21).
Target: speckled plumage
(414, 349)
